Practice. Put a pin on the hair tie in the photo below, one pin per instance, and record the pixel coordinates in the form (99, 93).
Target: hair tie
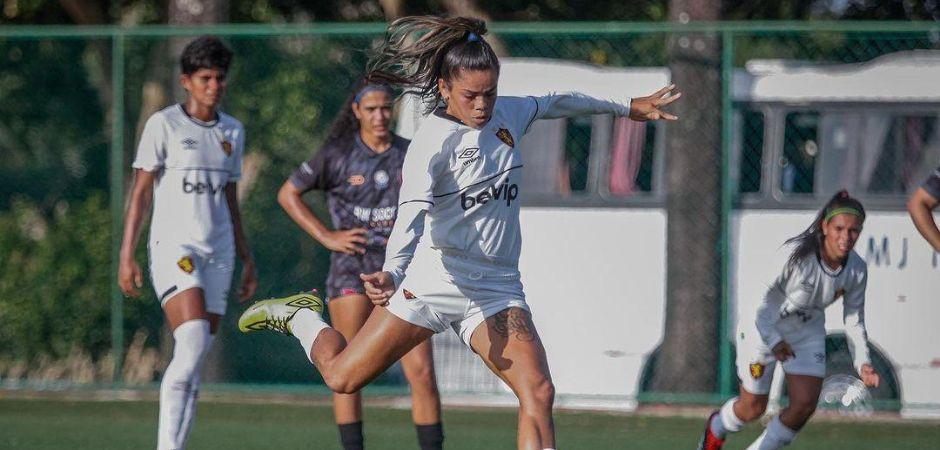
(372, 88)
(473, 37)
(843, 210)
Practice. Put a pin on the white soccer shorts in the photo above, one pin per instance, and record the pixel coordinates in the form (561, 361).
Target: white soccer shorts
(461, 297)
(756, 363)
(176, 268)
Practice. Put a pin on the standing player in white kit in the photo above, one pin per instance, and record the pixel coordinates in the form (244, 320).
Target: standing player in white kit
(790, 327)
(187, 164)
(452, 258)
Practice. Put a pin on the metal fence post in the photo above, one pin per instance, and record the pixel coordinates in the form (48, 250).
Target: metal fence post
(724, 346)
(117, 198)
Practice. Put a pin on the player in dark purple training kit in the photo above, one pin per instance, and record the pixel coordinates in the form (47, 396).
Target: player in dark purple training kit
(359, 169)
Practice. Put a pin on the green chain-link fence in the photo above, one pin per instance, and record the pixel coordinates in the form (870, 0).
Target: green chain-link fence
(71, 94)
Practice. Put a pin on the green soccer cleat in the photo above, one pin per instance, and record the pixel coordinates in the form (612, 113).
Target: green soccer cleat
(276, 313)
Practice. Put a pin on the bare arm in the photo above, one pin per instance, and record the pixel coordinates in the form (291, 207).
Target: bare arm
(249, 277)
(345, 241)
(130, 278)
(921, 206)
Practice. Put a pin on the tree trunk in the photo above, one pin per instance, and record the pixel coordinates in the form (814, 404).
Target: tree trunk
(92, 12)
(470, 8)
(688, 358)
(190, 13)
(393, 9)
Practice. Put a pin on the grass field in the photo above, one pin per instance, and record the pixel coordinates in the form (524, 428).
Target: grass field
(57, 424)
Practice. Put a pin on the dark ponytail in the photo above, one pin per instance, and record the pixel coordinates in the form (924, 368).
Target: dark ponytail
(419, 50)
(810, 240)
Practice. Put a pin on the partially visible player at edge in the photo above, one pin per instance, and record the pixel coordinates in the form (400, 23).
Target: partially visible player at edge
(188, 162)
(921, 206)
(790, 327)
(452, 258)
(359, 168)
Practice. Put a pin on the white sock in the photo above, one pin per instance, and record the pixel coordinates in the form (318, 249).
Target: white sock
(306, 325)
(192, 340)
(189, 410)
(775, 436)
(726, 421)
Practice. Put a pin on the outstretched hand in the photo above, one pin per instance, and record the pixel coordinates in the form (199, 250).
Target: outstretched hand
(379, 287)
(647, 108)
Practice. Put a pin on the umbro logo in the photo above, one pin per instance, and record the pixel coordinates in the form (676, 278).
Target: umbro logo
(189, 144)
(469, 153)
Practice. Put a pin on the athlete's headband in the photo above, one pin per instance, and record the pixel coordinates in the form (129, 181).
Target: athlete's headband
(843, 210)
(372, 88)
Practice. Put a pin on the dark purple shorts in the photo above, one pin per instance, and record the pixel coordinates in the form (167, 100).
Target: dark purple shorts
(345, 269)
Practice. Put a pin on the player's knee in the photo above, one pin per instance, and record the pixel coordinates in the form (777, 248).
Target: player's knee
(336, 383)
(422, 378)
(341, 383)
(192, 344)
(751, 408)
(538, 395)
(802, 408)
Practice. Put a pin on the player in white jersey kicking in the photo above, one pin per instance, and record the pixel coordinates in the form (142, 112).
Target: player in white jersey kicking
(188, 162)
(452, 258)
(790, 327)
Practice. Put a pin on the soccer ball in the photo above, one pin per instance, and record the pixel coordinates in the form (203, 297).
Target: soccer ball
(846, 394)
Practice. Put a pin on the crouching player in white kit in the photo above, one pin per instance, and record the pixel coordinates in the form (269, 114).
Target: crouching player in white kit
(452, 257)
(188, 161)
(790, 327)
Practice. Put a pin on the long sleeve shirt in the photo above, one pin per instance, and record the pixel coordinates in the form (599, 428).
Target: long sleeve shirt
(461, 185)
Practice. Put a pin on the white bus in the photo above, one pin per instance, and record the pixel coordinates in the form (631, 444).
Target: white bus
(594, 250)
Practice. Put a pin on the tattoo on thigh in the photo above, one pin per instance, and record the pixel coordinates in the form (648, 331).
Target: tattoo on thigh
(514, 321)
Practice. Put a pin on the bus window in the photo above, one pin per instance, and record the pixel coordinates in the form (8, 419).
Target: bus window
(644, 176)
(908, 153)
(751, 141)
(577, 152)
(875, 151)
(545, 159)
(800, 148)
(632, 155)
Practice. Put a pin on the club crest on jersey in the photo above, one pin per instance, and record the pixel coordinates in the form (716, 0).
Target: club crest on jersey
(189, 144)
(227, 148)
(381, 179)
(186, 264)
(356, 180)
(504, 135)
(757, 370)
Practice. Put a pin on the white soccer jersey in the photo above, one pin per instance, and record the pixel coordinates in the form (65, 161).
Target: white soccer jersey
(469, 180)
(794, 306)
(194, 161)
